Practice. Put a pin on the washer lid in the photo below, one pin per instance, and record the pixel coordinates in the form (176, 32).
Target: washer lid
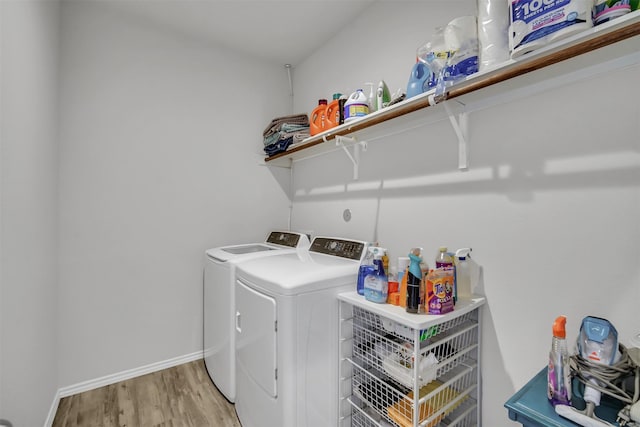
(298, 272)
(227, 253)
(275, 240)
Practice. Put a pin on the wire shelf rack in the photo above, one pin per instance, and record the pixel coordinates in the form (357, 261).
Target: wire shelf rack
(402, 377)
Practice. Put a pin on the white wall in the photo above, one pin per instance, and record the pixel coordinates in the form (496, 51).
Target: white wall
(28, 210)
(380, 45)
(550, 204)
(159, 153)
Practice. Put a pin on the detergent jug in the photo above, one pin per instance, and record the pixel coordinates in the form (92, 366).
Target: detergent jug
(318, 118)
(356, 106)
(419, 80)
(333, 112)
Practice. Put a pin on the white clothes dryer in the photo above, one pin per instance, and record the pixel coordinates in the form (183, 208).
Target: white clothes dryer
(287, 323)
(219, 311)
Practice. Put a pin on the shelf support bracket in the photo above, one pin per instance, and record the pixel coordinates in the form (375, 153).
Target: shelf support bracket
(358, 146)
(460, 125)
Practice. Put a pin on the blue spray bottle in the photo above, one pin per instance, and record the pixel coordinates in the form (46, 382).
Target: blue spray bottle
(366, 268)
(376, 284)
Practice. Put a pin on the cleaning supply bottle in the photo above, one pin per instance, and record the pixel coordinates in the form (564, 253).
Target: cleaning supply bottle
(403, 265)
(356, 106)
(366, 267)
(414, 281)
(462, 286)
(333, 112)
(383, 96)
(371, 99)
(376, 284)
(341, 102)
(394, 286)
(558, 374)
(418, 80)
(443, 259)
(318, 118)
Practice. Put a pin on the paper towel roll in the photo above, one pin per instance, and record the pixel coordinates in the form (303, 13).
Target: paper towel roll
(493, 32)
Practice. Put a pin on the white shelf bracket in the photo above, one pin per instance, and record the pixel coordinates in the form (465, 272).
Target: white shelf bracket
(358, 146)
(460, 125)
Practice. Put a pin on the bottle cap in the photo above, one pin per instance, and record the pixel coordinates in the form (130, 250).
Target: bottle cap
(559, 330)
(322, 102)
(442, 249)
(337, 95)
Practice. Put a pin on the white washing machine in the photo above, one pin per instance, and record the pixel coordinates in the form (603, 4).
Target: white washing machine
(219, 311)
(287, 334)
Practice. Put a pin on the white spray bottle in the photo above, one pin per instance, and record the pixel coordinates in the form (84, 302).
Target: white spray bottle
(462, 287)
(371, 99)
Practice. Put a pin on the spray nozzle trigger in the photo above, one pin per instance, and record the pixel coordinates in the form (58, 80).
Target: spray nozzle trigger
(559, 330)
(463, 253)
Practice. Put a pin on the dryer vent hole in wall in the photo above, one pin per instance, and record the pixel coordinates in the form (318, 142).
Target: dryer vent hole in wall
(346, 215)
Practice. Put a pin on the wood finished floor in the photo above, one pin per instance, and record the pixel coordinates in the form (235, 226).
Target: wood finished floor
(182, 396)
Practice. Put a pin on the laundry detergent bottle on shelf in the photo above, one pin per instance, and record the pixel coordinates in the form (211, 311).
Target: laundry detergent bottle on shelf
(356, 106)
(418, 80)
(318, 118)
(376, 284)
(333, 112)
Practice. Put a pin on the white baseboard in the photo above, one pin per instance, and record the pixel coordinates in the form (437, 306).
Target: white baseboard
(117, 377)
(52, 411)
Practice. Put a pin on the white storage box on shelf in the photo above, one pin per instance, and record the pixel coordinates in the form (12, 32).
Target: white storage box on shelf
(388, 356)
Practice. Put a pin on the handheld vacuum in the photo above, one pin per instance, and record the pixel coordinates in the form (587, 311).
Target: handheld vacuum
(602, 365)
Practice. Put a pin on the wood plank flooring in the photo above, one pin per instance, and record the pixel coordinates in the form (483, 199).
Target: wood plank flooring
(182, 396)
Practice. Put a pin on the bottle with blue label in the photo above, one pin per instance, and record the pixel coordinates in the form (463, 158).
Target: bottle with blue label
(418, 80)
(366, 268)
(356, 106)
(376, 284)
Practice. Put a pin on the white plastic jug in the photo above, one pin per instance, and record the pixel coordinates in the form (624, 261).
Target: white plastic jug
(356, 106)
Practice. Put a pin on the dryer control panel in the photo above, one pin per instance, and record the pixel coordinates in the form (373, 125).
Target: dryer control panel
(283, 238)
(350, 249)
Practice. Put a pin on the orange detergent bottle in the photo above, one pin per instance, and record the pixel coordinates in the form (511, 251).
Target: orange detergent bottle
(318, 120)
(333, 112)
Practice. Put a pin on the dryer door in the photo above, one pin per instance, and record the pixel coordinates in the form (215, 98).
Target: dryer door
(256, 337)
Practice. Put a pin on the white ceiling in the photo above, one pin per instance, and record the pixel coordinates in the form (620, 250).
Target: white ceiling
(281, 31)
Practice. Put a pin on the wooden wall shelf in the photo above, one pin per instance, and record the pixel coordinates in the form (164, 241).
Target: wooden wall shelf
(601, 44)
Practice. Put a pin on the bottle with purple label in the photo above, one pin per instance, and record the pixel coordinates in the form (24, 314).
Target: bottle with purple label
(558, 378)
(443, 259)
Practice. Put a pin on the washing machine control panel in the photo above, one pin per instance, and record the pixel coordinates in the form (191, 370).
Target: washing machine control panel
(349, 249)
(283, 238)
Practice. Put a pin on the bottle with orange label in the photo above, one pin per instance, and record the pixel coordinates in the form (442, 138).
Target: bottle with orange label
(318, 120)
(334, 111)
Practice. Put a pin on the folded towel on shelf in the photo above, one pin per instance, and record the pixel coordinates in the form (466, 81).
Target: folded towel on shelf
(276, 124)
(284, 131)
(285, 142)
(278, 146)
